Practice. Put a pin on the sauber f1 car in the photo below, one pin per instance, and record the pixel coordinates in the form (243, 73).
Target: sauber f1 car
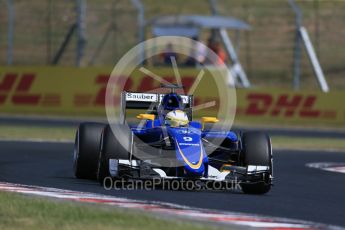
(169, 144)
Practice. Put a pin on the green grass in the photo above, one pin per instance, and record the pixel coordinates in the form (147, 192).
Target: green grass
(67, 134)
(308, 143)
(23, 212)
(34, 132)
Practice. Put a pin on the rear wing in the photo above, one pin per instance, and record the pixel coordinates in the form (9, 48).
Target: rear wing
(150, 102)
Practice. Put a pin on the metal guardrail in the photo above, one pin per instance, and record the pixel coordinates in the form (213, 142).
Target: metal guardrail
(302, 36)
(313, 59)
(236, 67)
(10, 31)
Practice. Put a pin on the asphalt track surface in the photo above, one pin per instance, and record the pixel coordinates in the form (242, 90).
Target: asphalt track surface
(299, 192)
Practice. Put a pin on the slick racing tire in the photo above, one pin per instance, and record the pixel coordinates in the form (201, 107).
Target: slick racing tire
(86, 150)
(257, 151)
(111, 148)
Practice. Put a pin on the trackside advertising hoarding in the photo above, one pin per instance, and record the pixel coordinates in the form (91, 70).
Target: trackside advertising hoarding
(81, 92)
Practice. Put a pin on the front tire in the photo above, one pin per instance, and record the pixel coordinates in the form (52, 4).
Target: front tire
(86, 150)
(257, 150)
(112, 148)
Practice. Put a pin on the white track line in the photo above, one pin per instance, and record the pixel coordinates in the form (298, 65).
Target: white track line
(328, 166)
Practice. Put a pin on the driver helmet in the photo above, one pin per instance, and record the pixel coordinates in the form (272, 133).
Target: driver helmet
(172, 101)
(176, 118)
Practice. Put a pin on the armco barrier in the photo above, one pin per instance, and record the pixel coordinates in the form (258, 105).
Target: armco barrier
(81, 92)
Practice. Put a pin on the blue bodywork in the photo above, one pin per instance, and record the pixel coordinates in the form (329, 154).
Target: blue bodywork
(188, 143)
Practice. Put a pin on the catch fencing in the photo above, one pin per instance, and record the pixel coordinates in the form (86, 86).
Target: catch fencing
(110, 29)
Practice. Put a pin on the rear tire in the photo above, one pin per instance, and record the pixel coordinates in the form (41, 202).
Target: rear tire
(257, 150)
(111, 148)
(86, 150)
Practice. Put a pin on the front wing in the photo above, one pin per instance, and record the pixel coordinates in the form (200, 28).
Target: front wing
(136, 169)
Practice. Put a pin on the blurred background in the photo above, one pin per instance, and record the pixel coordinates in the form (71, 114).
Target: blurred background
(286, 58)
(98, 33)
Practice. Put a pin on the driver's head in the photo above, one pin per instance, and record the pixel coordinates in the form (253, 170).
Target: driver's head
(176, 118)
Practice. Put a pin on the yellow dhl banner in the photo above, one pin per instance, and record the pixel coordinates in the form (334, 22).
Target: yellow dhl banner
(81, 92)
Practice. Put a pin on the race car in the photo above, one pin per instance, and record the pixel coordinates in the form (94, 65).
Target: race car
(169, 144)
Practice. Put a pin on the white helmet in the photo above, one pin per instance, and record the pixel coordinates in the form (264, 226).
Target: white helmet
(176, 118)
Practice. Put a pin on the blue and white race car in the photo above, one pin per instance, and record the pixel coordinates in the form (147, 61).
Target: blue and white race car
(168, 144)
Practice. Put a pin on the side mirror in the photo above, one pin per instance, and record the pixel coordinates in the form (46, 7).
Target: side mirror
(208, 120)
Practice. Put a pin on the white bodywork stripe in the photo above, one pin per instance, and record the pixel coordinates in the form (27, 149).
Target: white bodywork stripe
(161, 173)
(129, 163)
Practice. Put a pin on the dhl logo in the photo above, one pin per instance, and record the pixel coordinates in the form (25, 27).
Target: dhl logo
(285, 105)
(16, 89)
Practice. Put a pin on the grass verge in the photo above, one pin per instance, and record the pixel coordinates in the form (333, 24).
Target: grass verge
(37, 132)
(22, 212)
(308, 143)
(67, 134)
